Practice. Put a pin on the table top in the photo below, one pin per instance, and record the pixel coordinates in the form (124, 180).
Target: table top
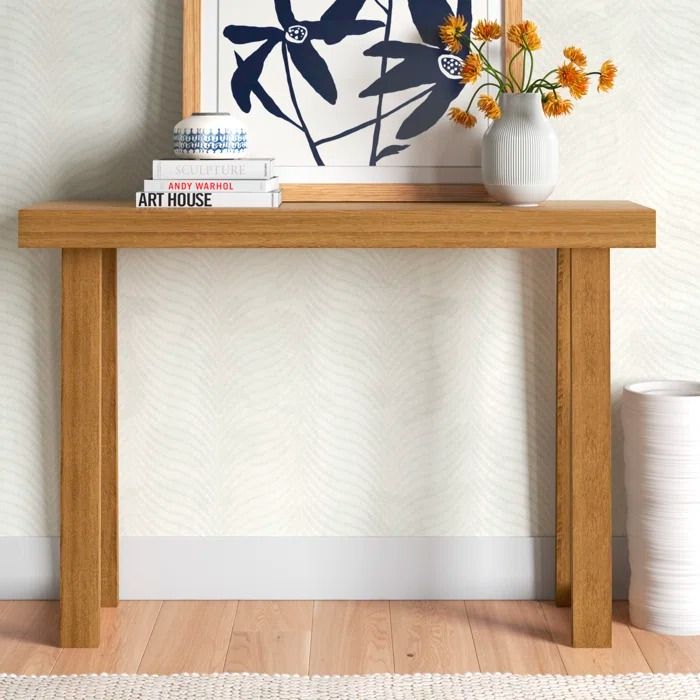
(558, 224)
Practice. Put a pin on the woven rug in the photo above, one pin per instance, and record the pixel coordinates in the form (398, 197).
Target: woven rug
(470, 686)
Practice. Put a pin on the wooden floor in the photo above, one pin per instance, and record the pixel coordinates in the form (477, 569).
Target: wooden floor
(333, 638)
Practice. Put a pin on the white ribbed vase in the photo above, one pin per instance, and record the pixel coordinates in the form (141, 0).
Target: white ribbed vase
(520, 153)
(661, 421)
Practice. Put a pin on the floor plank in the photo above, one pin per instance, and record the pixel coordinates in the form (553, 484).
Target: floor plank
(351, 637)
(126, 631)
(432, 637)
(625, 655)
(330, 637)
(190, 637)
(29, 637)
(666, 654)
(271, 637)
(513, 637)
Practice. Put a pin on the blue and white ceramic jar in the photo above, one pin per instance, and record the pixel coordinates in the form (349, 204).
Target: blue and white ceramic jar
(210, 136)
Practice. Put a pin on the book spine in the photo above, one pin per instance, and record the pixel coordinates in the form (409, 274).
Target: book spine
(212, 185)
(212, 170)
(207, 200)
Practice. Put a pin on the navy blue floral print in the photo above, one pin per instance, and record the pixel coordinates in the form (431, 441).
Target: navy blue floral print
(405, 66)
(423, 64)
(337, 23)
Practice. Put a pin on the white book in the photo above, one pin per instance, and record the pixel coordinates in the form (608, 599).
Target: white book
(234, 169)
(208, 200)
(212, 185)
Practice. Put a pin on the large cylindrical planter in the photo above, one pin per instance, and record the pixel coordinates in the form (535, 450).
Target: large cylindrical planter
(520, 152)
(661, 423)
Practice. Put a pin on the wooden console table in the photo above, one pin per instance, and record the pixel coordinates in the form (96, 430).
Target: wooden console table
(90, 234)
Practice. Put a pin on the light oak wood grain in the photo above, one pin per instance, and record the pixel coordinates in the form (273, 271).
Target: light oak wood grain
(283, 651)
(368, 225)
(28, 637)
(190, 637)
(351, 637)
(583, 226)
(513, 14)
(109, 563)
(513, 637)
(81, 418)
(432, 637)
(563, 470)
(591, 474)
(271, 637)
(380, 192)
(625, 655)
(191, 56)
(274, 615)
(125, 634)
(666, 654)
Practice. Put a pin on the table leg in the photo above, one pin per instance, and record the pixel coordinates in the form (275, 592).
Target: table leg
(110, 511)
(81, 409)
(591, 540)
(563, 470)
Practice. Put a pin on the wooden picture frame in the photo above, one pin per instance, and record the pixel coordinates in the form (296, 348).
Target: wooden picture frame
(374, 192)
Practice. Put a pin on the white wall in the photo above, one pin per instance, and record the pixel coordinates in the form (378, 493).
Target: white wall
(335, 393)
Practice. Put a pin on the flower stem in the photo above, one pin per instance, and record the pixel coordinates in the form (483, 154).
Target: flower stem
(380, 100)
(542, 83)
(292, 94)
(372, 122)
(544, 80)
(502, 79)
(531, 56)
(510, 71)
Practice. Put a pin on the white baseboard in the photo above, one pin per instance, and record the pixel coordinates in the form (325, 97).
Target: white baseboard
(209, 568)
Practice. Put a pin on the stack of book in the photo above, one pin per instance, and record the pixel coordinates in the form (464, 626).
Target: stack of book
(211, 183)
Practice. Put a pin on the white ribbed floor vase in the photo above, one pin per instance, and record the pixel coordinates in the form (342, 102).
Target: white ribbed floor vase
(470, 686)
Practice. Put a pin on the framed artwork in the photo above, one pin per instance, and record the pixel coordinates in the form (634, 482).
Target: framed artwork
(349, 96)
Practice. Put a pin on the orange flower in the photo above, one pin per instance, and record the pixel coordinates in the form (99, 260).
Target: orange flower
(608, 73)
(573, 78)
(525, 35)
(555, 106)
(576, 56)
(489, 106)
(486, 30)
(472, 68)
(465, 119)
(453, 31)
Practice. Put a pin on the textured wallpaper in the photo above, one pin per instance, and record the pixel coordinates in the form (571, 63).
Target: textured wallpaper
(326, 392)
